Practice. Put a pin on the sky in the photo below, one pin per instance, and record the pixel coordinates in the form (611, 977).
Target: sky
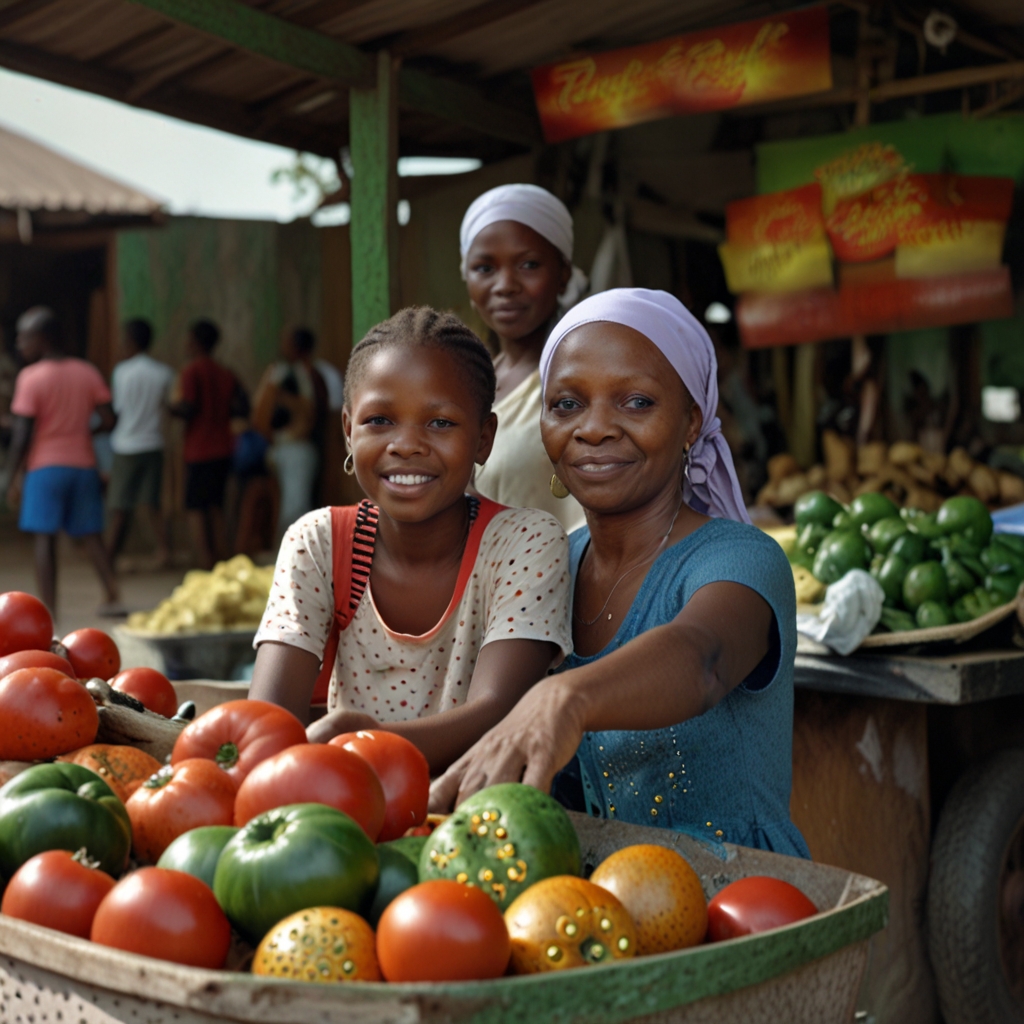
(194, 170)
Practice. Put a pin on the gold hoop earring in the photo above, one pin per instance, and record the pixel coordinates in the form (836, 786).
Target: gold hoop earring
(558, 489)
(349, 465)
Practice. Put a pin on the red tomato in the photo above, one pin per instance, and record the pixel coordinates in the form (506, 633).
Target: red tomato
(55, 889)
(239, 734)
(35, 659)
(176, 800)
(755, 904)
(314, 773)
(164, 914)
(403, 772)
(93, 654)
(442, 931)
(25, 624)
(44, 713)
(153, 688)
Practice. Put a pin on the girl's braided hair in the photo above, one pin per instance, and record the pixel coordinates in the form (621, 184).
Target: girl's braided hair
(421, 325)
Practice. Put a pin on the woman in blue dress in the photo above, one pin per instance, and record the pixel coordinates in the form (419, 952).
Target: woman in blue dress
(676, 707)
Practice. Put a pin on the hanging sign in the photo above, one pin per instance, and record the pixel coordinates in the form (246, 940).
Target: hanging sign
(736, 65)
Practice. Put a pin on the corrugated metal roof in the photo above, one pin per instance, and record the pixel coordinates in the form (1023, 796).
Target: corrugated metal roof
(33, 178)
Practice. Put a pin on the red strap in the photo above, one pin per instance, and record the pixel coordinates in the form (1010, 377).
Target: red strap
(343, 528)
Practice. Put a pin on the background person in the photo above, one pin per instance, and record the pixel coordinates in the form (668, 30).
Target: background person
(140, 386)
(209, 397)
(516, 245)
(55, 396)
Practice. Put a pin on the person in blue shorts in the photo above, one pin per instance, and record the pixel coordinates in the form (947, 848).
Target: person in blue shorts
(51, 464)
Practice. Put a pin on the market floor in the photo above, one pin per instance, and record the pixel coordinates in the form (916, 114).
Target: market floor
(78, 589)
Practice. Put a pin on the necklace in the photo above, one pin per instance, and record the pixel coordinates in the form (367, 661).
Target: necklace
(632, 568)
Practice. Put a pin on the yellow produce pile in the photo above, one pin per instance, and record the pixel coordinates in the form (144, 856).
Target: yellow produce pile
(903, 472)
(808, 589)
(232, 596)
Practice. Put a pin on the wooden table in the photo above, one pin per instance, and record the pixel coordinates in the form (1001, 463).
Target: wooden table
(879, 742)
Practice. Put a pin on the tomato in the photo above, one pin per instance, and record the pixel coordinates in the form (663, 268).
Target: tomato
(755, 904)
(164, 914)
(35, 659)
(662, 893)
(322, 944)
(121, 767)
(176, 799)
(44, 713)
(150, 687)
(25, 623)
(314, 773)
(197, 851)
(442, 931)
(58, 890)
(93, 654)
(404, 775)
(239, 734)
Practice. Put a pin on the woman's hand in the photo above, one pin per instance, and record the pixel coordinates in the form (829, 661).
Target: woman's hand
(338, 722)
(535, 741)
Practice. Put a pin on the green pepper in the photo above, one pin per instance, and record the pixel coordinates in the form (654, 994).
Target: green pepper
(986, 601)
(1008, 555)
(925, 581)
(965, 515)
(842, 521)
(397, 873)
(975, 565)
(197, 852)
(885, 532)
(810, 537)
(816, 507)
(1014, 541)
(868, 509)
(897, 620)
(292, 858)
(966, 608)
(890, 577)
(62, 807)
(839, 552)
(910, 547)
(960, 544)
(926, 525)
(959, 578)
(931, 614)
(997, 558)
(1002, 585)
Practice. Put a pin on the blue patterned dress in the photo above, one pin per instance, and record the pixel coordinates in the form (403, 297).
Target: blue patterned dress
(724, 776)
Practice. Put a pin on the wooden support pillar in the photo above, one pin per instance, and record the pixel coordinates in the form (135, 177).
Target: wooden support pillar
(373, 144)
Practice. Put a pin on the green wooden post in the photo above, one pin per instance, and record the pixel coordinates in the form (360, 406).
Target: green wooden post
(373, 143)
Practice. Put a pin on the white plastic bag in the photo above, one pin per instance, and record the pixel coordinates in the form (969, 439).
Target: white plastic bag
(852, 608)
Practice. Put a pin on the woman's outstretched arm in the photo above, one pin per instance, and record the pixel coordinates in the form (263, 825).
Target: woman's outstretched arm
(665, 676)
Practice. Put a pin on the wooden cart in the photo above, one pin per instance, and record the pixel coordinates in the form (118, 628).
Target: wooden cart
(806, 973)
(909, 768)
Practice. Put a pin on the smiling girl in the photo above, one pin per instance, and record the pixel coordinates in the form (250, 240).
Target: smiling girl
(451, 603)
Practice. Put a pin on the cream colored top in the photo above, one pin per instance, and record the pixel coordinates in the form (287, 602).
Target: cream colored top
(518, 589)
(518, 471)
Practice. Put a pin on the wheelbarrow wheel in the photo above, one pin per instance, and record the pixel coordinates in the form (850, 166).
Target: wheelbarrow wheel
(976, 895)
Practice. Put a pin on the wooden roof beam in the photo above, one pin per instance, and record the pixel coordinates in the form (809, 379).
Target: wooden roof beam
(303, 49)
(13, 12)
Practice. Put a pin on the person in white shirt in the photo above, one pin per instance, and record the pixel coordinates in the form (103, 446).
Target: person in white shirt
(140, 386)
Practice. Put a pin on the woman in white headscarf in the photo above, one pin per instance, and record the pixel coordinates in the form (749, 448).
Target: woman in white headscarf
(675, 708)
(516, 246)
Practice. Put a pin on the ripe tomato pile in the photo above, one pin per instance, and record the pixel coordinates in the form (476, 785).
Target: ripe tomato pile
(319, 857)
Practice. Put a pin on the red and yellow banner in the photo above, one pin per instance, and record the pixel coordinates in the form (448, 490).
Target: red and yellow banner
(752, 62)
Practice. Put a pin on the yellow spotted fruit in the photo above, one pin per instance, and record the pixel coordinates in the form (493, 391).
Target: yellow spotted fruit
(322, 944)
(662, 893)
(564, 922)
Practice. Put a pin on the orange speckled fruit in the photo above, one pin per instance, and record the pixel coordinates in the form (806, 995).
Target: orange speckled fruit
(662, 894)
(320, 944)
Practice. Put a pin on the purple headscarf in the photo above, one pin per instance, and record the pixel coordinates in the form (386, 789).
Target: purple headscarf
(710, 483)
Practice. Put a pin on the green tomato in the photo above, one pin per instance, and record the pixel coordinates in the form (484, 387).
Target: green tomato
(816, 507)
(891, 576)
(290, 859)
(897, 620)
(867, 509)
(503, 839)
(926, 525)
(842, 521)
(62, 807)
(197, 852)
(885, 532)
(910, 547)
(810, 537)
(931, 614)
(925, 581)
(965, 515)
(411, 846)
(959, 578)
(838, 553)
(1002, 585)
(397, 873)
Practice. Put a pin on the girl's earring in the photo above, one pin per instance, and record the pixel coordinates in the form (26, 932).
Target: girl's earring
(558, 489)
(349, 465)
(686, 462)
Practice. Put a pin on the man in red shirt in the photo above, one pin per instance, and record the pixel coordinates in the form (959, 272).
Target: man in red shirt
(209, 397)
(55, 397)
